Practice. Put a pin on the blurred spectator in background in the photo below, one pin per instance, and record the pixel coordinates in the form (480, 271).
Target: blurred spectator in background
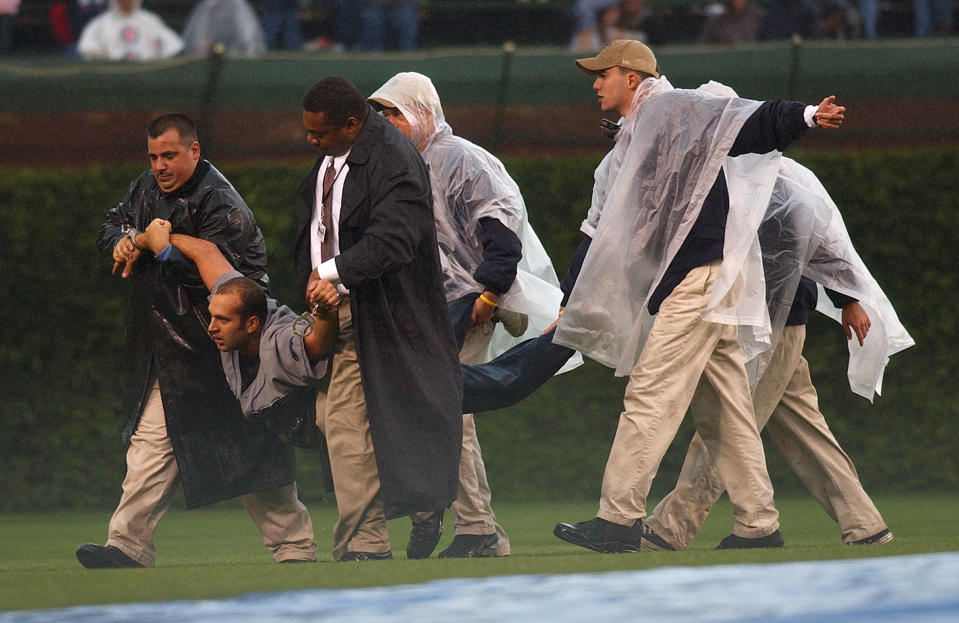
(600, 21)
(924, 10)
(127, 32)
(590, 17)
(739, 22)
(281, 24)
(230, 23)
(346, 23)
(68, 18)
(8, 23)
(389, 24)
(869, 16)
(786, 18)
(839, 20)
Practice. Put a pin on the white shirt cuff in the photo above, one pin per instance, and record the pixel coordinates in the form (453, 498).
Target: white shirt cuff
(810, 115)
(327, 270)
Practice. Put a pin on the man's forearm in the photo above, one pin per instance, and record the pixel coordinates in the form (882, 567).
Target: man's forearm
(207, 256)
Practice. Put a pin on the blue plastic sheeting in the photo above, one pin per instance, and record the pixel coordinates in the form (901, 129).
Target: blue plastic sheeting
(918, 589)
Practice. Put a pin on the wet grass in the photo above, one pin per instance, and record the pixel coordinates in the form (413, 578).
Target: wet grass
(216, 552)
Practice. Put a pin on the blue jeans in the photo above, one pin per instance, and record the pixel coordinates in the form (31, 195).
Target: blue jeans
(513, 375)
(397, 23)
(280, 20)
(923, 11)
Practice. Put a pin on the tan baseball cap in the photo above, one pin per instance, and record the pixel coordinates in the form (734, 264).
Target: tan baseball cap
(381, 102)
(626, 53)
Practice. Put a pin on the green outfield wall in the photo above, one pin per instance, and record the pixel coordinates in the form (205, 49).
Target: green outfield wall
(62, 332)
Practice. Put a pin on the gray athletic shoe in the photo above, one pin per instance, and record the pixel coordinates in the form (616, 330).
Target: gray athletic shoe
(880, 538)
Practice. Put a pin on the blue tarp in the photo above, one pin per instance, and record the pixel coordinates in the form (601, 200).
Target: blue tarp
(917, 589)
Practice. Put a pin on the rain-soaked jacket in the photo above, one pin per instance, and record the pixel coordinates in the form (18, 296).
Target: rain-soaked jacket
(404, 339)
(469, 184)
(219, 453)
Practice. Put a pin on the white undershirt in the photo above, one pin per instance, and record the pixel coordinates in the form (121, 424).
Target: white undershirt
(327, 270)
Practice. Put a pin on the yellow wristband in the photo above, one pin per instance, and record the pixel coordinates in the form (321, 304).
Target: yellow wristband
(486, 300)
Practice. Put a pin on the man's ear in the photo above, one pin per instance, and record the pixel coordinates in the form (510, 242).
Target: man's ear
(252, 324)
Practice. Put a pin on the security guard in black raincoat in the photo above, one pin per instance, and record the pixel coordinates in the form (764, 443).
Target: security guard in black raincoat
(199, 432)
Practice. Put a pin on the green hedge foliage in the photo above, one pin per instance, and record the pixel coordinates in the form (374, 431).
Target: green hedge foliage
(61, 353)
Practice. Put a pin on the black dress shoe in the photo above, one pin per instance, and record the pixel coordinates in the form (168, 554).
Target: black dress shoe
(424, 536)
(471, 546)
(93, 556)
(738, 542)
(602, 536)
(363, 556)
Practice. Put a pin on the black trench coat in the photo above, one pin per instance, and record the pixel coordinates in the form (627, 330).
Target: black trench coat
(220, 454)
(408, 359)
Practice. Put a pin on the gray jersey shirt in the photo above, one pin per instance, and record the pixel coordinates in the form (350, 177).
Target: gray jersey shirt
(284, 365)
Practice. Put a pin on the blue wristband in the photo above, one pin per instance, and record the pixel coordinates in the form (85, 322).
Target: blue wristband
(164, 255)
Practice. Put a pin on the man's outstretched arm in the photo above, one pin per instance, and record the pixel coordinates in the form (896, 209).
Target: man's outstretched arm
(207, 256)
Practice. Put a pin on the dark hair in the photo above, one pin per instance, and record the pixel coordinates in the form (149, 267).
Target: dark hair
(251, 295)
(642, 74)
(337, 99)
(180, 122)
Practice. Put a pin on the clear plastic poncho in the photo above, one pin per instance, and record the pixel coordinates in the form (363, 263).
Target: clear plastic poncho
(648, 192)
(468, 184)
(231, 23)
(802, 233)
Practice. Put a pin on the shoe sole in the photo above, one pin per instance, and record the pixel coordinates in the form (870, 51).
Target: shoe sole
(743, 543)
(570, 534)
(651, 546)
(880, 541)
(92, 559)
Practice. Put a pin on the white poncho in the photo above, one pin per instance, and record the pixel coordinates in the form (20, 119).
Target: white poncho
(468, 184)
(798, 231)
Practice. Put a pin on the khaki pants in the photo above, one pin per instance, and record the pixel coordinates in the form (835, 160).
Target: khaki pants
(151, 478)
(787, 406)
(341, 416)
(472, 507)
(683, 350)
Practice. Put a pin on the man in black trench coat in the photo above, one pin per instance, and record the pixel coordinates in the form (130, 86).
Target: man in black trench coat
(392, 415)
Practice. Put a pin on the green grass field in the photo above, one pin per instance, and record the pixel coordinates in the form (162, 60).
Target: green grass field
(215, 553)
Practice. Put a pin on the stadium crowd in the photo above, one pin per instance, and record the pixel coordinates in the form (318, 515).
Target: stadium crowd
(250, 27)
